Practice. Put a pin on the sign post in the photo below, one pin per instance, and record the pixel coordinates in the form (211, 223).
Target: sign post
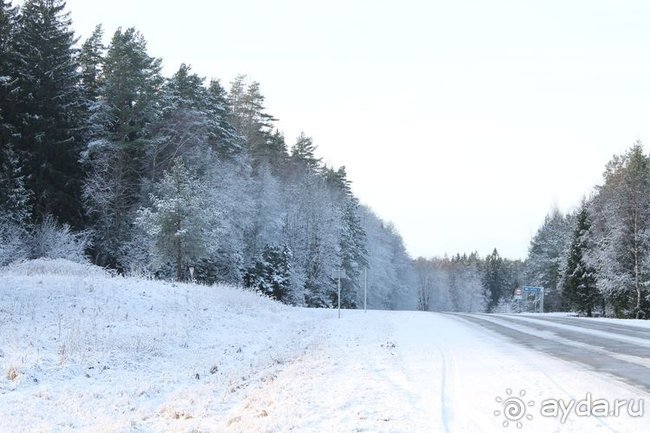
(539, 296)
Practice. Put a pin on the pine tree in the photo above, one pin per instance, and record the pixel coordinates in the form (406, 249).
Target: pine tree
(304, 151)
(49, 107)
(181, 219)
(579, 283)
(250, 120)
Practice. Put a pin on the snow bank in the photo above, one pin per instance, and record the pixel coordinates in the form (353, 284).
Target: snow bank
(52, 267)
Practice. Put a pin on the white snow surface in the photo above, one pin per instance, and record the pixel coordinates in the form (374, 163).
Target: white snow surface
(83, 350)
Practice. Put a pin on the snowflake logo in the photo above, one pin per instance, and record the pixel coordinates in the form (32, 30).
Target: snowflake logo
(514, 408)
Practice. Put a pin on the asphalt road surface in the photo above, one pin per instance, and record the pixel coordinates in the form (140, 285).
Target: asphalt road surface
(615, 349)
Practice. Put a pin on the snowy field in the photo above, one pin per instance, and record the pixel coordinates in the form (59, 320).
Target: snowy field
(81, 350)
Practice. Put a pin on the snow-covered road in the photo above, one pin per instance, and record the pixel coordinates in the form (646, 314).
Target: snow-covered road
(428, 372)
(618, 350)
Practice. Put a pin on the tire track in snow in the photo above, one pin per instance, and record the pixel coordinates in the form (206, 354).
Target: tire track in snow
(447, 413)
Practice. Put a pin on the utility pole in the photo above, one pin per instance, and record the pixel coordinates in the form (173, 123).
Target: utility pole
(365, 290)
(339, 294)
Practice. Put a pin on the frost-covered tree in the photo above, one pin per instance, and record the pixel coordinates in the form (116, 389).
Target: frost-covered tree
(184, 130)
(250, 119)
(130, 92)
(304, 153)
(621, 223)
(352, 236)
(312, 230)
(547, 257)
(495, 279)
(181, 220)
(466, 288)
(231, 186)
(8, 79)
(390, 277)
(48, 109)
(226, 142)
(272, 274)
(91, 59)
(115, 158)
(579, 281)
(424, 272)
(270, 212)
(15, 214)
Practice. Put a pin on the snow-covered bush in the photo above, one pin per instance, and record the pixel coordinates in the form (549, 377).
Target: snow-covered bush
(13, 244)
(54, 241)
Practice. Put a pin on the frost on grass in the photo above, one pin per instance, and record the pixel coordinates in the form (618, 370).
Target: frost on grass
(83, 348)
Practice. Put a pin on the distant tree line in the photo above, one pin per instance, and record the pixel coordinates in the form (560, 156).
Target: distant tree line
(467, 283)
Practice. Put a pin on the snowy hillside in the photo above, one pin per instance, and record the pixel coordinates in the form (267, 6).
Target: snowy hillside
(80, 349)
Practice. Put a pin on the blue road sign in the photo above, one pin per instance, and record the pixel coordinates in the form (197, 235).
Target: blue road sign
(531, 289)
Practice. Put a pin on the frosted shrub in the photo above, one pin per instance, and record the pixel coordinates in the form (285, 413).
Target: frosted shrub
(54, 241)
(12, 244)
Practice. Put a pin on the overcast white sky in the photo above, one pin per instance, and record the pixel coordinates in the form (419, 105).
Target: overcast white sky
(463, 122)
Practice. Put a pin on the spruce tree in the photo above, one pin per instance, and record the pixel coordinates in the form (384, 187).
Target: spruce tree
(225, 140)
(579, 283)
(49, 109)
(131, 88)
(272, 273)
(122, 119)
(8, 78)
(495, 280)
(91, 59)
